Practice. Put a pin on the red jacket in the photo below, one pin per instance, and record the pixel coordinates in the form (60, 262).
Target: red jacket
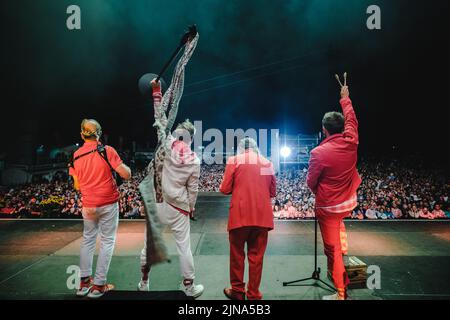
(332, 174)
(250, 179)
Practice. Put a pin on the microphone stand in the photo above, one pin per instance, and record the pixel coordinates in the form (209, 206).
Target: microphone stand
(192, 32)
(316, 273)
(169, 62)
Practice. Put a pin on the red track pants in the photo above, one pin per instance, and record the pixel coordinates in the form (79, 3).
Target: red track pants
(331, 227)
(256, 239)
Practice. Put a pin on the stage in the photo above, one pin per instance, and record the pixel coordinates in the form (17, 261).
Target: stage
(413, 256)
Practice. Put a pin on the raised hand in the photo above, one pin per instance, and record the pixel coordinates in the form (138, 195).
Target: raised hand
(155, 85)
(344, 88)
(345, 93)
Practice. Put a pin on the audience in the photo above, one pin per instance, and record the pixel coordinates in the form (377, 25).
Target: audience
(389, 190)
(59, 199)
(211, 177)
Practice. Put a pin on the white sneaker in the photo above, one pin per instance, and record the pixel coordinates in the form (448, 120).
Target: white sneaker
(82, 292)
(334, 296)
(98, 291)
(193, 290)
(84, 288)
(143, 285)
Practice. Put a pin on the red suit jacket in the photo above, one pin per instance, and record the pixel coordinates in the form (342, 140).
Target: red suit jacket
(250, 179)
(332, 174)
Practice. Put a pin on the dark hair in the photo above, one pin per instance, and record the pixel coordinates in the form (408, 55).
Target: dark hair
(333, 122)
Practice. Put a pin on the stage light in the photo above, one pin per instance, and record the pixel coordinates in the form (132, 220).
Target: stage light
(285, 151)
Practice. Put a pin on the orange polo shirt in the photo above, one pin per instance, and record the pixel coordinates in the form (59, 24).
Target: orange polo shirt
(97, 185)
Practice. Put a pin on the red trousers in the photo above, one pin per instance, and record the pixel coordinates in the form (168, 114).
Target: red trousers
(256, 239)
(331, 225)
(344, 243)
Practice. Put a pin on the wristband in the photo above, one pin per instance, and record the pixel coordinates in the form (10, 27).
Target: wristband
(156, 90)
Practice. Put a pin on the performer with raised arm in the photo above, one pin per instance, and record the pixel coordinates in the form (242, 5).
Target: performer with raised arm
(333, 178)
(172, 180)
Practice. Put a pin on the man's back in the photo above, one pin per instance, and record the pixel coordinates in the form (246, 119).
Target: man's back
(91, 171)
(251, 181)
(332, 175)
(97, 184)
(180, 176)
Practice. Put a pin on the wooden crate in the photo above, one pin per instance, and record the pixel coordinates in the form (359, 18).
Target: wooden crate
(356, 271)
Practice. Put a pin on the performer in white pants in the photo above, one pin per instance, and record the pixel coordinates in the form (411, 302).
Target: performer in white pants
(91, 169)
(174, 173)
(103, 220)
(180, 226)
(180, 175)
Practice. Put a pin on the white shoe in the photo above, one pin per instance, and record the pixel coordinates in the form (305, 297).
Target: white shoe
(143, 285)
(193, 290)
(98, 291)
(82, 292)
(84, 288)
(334, 296)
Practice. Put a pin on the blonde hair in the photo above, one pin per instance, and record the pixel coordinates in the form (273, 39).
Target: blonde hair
(188, 126)
(91, 129)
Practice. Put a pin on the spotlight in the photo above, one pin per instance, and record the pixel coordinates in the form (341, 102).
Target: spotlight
(285, 151)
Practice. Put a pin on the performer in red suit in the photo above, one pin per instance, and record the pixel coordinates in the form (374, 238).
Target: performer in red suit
(250, 178)
(333, 178)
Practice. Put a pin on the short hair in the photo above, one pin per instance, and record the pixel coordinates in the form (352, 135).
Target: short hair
(248, 143)
(188, 126)
(333, 122)
(91, 129)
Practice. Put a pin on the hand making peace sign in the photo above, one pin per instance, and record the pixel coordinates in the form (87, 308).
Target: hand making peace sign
(345, 93)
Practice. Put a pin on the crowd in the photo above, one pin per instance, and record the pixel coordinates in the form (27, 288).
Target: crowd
(37, 198)
(58, 199)
(294, 200)
(130, 203)
(211, 177)
(398, 189)
(389, 190)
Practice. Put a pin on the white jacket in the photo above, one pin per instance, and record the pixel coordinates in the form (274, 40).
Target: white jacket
(180, 175)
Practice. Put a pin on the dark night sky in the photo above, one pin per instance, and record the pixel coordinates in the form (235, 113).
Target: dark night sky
(53, 77)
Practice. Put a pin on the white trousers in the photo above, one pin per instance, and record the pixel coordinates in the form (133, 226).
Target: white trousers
(181, 228)
(103, 220)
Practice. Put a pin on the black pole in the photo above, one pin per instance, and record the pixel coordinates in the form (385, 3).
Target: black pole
(316, 273)
(315, 242)
(191, 33)
(167, 64)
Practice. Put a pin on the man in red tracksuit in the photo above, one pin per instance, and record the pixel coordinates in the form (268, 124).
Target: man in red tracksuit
(250, 178)
(333, 178)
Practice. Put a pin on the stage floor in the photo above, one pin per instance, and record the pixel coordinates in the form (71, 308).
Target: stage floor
(413, 256)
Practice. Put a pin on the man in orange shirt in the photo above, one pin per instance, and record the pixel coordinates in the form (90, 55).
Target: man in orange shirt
(91, 171)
